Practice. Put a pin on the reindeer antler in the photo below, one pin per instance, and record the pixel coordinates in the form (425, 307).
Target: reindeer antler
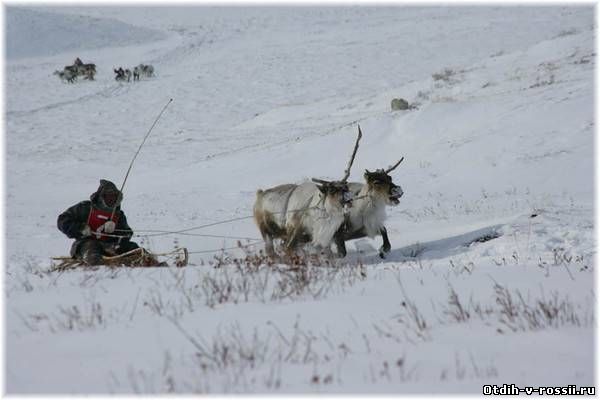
(347, 170)
(320, 181)
(393, 167)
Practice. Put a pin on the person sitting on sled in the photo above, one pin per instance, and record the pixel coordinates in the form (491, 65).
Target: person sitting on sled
(98, 226)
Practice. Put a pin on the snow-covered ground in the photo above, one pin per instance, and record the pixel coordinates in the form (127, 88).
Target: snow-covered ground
(499, 144)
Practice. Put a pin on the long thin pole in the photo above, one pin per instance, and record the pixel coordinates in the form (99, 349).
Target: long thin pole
(138, 152)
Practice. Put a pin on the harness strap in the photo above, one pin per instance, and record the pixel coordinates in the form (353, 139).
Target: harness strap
(285, 207)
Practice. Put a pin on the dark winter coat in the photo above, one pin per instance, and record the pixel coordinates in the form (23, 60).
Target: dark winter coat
(74, 220)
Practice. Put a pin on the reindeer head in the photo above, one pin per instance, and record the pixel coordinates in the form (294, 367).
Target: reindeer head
(336, 193)
(380, 184)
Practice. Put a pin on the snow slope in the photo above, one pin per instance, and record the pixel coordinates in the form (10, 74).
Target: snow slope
(500, 144)
(34, 33)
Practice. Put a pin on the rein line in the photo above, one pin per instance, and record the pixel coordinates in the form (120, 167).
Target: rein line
(184, 231)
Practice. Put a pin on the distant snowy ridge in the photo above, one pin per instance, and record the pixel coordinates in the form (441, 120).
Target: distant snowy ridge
(33, 33)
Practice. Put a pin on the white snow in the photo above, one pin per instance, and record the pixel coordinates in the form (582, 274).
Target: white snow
(503, 130)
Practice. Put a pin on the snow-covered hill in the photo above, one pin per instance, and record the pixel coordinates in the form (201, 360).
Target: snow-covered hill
(499, 144)
(37, 33)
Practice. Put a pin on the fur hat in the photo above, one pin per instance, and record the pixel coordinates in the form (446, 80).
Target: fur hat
(107, 190)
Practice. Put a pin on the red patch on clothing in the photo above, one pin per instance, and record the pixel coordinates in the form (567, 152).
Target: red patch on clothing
(97, 218)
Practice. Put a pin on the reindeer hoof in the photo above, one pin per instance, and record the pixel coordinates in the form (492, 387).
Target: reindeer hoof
(383, 251)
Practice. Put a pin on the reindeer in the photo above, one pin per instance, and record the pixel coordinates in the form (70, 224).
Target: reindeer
(147, 70)
(142, 69)
(367, 216)
(71, 69)
(88, 74)
(309, 212)
(87, 70)
(66, 75)
(136, 74)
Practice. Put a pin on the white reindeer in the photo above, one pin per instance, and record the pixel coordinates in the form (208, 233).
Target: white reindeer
(309, 212)
(142, 69)
(367, 215)
(148, 70)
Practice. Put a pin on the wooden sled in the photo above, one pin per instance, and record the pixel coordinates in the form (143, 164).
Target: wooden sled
(139, 257)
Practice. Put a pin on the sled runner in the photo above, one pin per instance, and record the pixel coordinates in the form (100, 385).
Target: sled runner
(135, 258)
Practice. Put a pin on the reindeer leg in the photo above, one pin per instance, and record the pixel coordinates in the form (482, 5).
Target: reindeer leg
(293, 239)
(269, 249)
(268, 239)
(291, 243)
(327, 252)
(386, 247)
(340, 243)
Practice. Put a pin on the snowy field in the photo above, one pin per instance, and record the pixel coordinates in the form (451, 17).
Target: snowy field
(499, 146)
